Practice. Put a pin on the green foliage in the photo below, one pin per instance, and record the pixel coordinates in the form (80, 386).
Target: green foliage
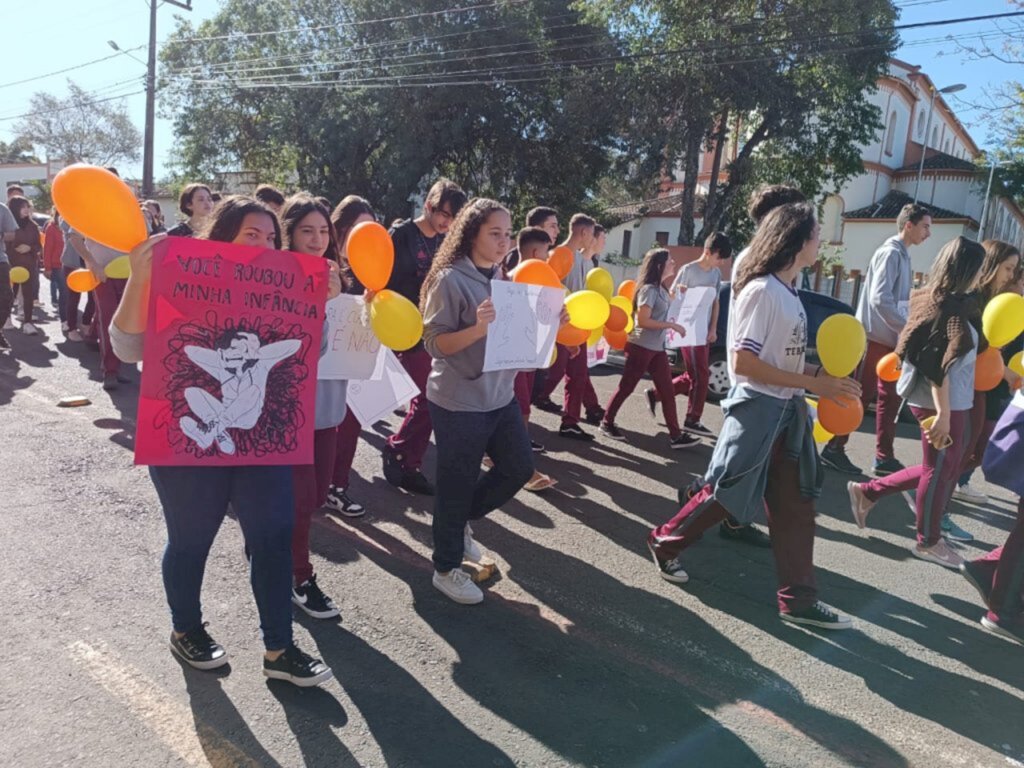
(19, 150)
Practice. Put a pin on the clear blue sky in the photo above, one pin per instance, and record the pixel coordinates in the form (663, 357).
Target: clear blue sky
(69, 33)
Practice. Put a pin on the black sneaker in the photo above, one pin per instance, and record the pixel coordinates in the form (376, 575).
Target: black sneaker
(652, 402)
(818, 615)
(697, 428)
(683, 440)
(536, 447)
(980, 582)
(1014, 632)
(545, 404)
(573, 432)
(610, 430)
(4, 343)
(393, 469)
(594, 416)
(886, 467)
(310, 598)
(838, 460)
(198, 649)
(339, 500)
(415, 481)
(297, 667)
(110, 382)
(669, 570)
(745, 534)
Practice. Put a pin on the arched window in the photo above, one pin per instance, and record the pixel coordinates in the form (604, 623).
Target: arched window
(832, 219)
(935, 137)
(922, 118)
(945, 146)
(890, 137)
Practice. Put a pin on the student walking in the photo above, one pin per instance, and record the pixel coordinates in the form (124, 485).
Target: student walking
(196, 202)
(27, 252)
(473, 412)
(765, 456)
(195, 499)
(938, 347)
(53, 249)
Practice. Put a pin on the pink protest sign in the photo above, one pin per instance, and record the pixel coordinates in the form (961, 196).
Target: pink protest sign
(229, 364)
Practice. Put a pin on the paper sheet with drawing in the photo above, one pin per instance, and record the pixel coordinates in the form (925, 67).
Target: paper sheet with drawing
(692, 310)
(598, 354)
(523, 333)
(353, 350)
(371, 401)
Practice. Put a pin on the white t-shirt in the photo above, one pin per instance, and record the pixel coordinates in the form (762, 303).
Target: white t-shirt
(768, 319)
(736, 262)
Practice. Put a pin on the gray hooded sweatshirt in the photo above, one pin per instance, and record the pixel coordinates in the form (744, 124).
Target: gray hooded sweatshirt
(457, 382)
(885, 292)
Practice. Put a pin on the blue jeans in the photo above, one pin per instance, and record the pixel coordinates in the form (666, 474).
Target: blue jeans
(195, 500)
(58, 292)
(463, 494)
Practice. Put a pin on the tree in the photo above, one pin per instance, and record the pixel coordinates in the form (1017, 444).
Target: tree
(17, 151)
(785, 81)
(78, 128)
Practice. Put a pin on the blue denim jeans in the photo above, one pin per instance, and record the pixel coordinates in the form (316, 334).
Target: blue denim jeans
(58, 292)
(463, 493)
(195, 500)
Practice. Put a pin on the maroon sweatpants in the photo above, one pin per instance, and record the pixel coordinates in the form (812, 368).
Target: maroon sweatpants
(694, 380)
(1004, 570)
(640, 361)
(345, 449)
(578, 387)
(934, 478)
(310, 484)
(524, 390)
(887, 403)
(108, 296)
(981, 433)
(410, 442)
(790, 520)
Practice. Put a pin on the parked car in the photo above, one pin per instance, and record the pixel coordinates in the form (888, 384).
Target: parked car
(817, 306)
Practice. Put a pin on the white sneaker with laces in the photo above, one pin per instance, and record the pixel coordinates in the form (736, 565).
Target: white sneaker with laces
(860, 505)
(470, 549)
(29, 329)
(457, 586)
(940, 554)
(969, 494)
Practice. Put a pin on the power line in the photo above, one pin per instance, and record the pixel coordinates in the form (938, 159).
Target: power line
(70, 69)
(69, 107)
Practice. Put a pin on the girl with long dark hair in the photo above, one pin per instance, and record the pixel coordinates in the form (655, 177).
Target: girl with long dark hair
(938, 347)
(765, 457)
(196, 499)
(26, 252)
(645, 350)
(473, 412)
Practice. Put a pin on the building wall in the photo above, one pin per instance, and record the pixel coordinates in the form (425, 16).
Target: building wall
(862, 239)
(21, 172)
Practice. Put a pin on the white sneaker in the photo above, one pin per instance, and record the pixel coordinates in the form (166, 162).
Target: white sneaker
(470, 549)
(9, 325)
(29, 329)
(74, 336)
(457, 586)
(940, 554)
(969, 494)
(859, 504)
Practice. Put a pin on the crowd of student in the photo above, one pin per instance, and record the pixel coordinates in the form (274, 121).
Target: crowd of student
(765, 465)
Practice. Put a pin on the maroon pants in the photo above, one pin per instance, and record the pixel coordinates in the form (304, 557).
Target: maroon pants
(579, 391)
(887, 403)
(981, 432)
(345, 449)
(555, 372)
(934, 479)
(1004, 566)
(694, 381)
(411, 441)
(524, 390)
(108, 296)
(790, 520)
(640, 361)
(310, 483)
(71, 305)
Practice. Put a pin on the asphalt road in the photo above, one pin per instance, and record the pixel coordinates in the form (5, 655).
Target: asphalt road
(579, 655)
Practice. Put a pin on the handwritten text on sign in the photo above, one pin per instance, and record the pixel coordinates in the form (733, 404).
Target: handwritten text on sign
(353, 350)
(526, 323)
(692, 310)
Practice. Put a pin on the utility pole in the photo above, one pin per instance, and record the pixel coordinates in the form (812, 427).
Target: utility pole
(147, 146)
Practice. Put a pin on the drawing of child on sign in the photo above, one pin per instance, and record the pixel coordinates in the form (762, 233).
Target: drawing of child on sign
(242, 364)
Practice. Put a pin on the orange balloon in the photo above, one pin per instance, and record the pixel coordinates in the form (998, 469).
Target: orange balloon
(82, 281)
(561, 260)
(571, 336)
(615, 339)
(617, 320)
(535, 272)
(843, 417)
(888, 367)
(371, 254)
(99, 206)
(628, 289)
(988, 370)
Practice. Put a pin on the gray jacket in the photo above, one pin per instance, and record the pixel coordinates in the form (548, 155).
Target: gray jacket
(887, 284)
(457, 382)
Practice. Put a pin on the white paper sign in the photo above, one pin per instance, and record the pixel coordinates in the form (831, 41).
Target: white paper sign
(353, 351)
(598, 354)
(692, 310)
(523, 333)
(371, 401)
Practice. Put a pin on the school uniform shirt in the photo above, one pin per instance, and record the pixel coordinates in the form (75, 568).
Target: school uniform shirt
(692, 276)
(576, 280)
(917, 391)
(7, 224)
(768, 319)
(414, 253)
(736, 263)
(458, 382)
(885, 296)
(657, 298)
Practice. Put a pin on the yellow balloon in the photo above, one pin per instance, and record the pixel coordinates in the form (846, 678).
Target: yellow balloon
(1016, 363)
(395, 320)
(600, 281)
(119, 268)
(587, 309)
(554, 355)
(626, 305)
(841, 344)
(19, 275)
(595, 336)
(1003, 319)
